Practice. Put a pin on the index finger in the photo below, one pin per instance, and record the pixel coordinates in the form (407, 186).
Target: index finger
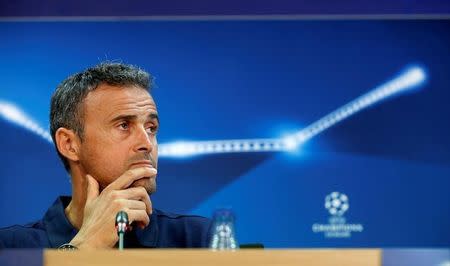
(127, 178)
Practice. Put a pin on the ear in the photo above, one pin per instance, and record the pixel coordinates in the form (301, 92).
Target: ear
(68, 143)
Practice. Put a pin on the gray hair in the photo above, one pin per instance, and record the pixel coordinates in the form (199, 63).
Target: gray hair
(66, 107)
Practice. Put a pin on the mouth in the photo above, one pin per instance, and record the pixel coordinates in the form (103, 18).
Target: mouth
(143, 163)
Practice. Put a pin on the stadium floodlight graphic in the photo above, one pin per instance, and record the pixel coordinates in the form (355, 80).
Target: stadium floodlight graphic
(408, 80)
(12, 113)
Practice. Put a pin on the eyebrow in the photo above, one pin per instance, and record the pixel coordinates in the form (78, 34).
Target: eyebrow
(152, 116)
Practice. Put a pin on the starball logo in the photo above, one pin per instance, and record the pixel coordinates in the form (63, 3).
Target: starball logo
(337, 204)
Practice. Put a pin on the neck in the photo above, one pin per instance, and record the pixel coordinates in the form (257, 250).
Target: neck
(75, 210)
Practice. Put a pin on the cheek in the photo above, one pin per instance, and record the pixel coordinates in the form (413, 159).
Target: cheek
(97, 153)
(103, 161)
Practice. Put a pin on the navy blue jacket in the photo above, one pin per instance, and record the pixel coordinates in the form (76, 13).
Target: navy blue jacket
(165, 230)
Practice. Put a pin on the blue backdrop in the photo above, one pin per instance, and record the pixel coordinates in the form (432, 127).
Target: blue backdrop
(220, 80)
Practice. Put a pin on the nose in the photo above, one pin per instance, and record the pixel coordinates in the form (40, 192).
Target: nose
(144, 141)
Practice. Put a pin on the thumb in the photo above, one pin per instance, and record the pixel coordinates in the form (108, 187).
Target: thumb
(92, 190)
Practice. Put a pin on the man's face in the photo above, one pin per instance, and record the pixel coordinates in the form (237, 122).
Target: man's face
(120, 124)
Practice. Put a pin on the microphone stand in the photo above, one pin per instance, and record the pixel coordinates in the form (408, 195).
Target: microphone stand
(122, 224)
(121, 241)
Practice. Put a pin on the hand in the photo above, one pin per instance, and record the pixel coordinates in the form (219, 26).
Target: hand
(98, 228)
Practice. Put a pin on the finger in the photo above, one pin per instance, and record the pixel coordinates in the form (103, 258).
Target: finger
(126, 179)
(92, 189)
(136, 193)
(138, 216)
(132, 204)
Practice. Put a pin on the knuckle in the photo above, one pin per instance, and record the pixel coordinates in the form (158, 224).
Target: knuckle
(120, 204)
(117, 205)
(142, 214)
(139, 205)
(114, 195)
(133, 217)
(143, 191)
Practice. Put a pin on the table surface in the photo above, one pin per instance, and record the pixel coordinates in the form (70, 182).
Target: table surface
(385, 257)
(319, 257)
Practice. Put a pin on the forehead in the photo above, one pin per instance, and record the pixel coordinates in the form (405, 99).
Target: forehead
(107, 100)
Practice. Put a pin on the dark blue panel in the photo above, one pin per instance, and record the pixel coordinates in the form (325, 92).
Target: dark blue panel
(230, 7)
(21, 257)
(415, 257)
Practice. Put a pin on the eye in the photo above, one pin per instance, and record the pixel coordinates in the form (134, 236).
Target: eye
(124, 125)
(152, 130)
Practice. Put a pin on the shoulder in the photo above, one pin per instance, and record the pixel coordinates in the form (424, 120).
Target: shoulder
(192, 230)
(31, 235)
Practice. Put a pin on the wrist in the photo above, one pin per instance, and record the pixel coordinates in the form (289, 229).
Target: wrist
(80, 243)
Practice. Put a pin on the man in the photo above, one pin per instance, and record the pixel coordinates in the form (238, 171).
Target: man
(104, 124)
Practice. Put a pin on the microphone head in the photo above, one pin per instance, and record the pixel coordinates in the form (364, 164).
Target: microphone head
(122, 222)
(121, 217)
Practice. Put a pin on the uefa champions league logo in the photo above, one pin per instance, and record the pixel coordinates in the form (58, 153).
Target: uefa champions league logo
(337, 204)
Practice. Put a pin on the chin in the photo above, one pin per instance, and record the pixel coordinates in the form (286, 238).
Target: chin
(148, 184)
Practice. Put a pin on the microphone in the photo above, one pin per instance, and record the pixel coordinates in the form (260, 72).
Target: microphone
(122, 224)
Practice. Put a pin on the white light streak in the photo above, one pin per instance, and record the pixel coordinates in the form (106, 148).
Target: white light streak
(410, 79)
(12, 113)
(406, 81)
